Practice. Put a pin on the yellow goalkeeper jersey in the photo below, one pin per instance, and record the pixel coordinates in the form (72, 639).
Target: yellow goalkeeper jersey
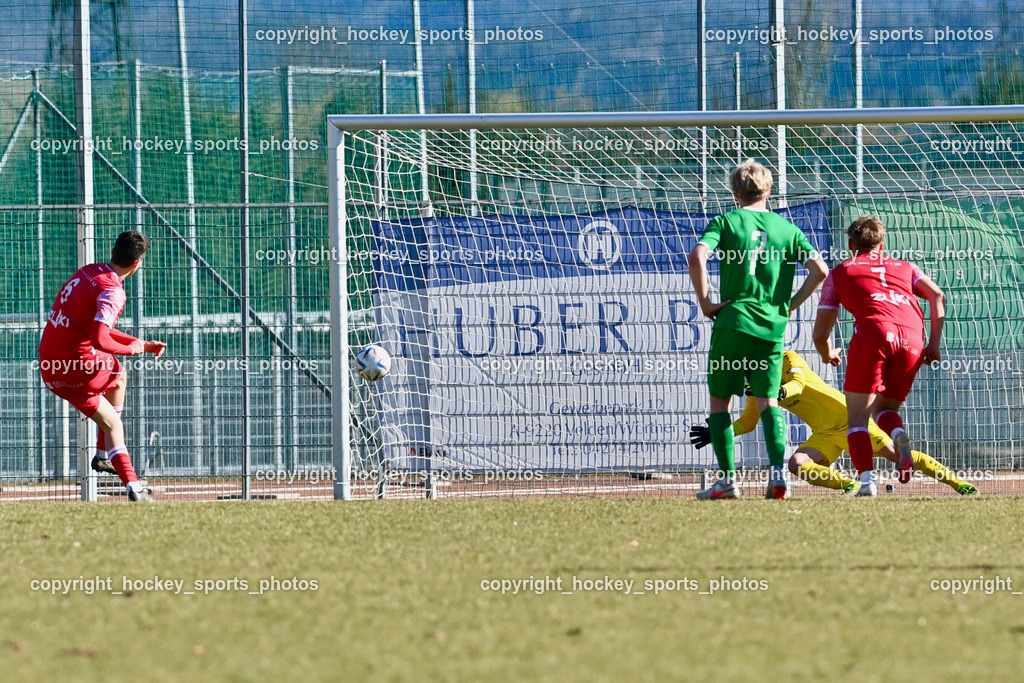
(808, 397)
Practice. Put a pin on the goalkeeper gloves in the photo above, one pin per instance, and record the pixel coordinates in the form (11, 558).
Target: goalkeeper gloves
(700, 435)
(750, 392)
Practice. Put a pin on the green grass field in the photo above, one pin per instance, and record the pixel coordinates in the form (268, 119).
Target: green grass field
(844, 590)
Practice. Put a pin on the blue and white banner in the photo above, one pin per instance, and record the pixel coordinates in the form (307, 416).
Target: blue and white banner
(540, 343)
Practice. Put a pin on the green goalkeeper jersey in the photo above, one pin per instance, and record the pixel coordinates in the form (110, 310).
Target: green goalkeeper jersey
(758, 252)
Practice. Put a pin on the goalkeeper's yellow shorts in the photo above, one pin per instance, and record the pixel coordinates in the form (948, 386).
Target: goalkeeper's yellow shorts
(833, 442)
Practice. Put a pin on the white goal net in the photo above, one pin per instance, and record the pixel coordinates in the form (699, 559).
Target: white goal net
(531, 285)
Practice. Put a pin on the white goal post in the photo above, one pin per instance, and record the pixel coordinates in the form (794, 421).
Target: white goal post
(529, 281)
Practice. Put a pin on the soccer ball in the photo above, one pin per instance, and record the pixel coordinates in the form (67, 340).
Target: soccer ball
(373, 363)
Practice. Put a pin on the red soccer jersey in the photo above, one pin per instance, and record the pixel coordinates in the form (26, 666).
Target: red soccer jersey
(93, 293)
(875, 288)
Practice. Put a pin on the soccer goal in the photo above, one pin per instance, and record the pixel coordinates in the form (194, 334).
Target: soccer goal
(528, 275)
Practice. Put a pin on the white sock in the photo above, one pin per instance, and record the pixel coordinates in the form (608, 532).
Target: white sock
(867, 477)
(134, 486)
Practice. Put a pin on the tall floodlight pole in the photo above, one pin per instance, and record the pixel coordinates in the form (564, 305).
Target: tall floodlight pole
(292, 288)
(739, 105)
(37, 135)
(243, 230)
(139, 284)
(190, 195)
(778, 39)
(86, 215)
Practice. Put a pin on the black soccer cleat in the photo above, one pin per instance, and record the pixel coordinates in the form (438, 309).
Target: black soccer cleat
(103, 465)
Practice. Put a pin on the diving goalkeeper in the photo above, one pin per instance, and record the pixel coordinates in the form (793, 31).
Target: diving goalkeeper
(823, 409)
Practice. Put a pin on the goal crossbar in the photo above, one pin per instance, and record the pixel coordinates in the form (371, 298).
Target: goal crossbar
(760, 117)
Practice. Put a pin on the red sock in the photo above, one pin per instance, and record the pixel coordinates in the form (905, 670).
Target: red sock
(861, 453)
(890, 421)
(123, 464)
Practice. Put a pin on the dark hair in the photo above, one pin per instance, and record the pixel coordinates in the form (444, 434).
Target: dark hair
(867, 232)
(131, 245)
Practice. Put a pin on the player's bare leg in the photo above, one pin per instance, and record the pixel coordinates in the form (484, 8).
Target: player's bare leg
(109, 421)
(115, 395)
(886, 412)
(858, 439)
(814, 467)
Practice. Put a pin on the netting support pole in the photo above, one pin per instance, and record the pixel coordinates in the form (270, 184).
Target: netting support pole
(86, 216)
(474, 190)
(858, 85)
(37, 135)
(139, 284)
(382, 194)
(341, 422)
(778, 40)
(243, 247)
(702, 99)
(291, 454)
(278, 382)
(215, 422)
(190, 189)
(739, 105)
(421, 107)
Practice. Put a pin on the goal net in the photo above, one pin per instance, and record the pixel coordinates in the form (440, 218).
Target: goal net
(531, 285)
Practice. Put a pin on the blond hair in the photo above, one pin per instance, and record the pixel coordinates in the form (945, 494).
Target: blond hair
(751, 182)
(867, 232)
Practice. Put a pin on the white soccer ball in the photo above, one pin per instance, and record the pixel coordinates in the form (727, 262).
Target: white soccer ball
(373, 363)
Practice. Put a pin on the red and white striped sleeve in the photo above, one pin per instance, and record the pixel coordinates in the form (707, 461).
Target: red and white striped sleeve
(829, 299)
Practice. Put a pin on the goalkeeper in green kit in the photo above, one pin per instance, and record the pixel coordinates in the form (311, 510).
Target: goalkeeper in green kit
(758, 251)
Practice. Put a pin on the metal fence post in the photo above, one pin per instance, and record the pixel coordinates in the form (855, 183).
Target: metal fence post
(86, 216)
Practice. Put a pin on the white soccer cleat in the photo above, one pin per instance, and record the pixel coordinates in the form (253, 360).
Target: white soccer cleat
(722, 489)
(868, 488)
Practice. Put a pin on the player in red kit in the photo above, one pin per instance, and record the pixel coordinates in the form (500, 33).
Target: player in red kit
(76, 351)
(887, 348)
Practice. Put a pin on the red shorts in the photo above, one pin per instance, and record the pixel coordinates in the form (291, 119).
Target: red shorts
(81, 382)
(883, 359)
